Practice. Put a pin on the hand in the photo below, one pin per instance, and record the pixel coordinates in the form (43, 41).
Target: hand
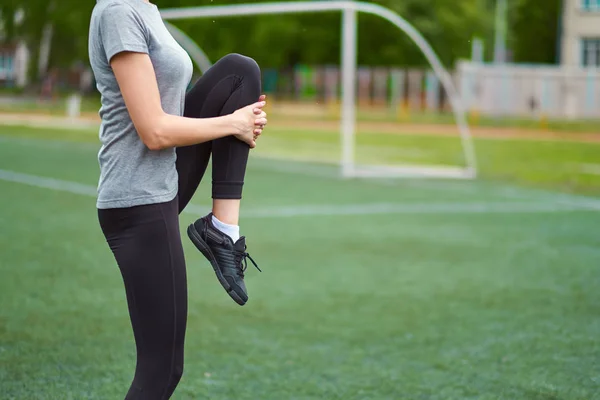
(249, 122)
(259, 128)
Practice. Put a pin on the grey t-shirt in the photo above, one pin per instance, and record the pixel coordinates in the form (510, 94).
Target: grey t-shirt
(130, 173)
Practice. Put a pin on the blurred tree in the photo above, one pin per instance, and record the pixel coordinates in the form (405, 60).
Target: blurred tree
(69, 21)
(285, 40)
(30, 30)
(8, 9)
(534, 30)
(448, 25)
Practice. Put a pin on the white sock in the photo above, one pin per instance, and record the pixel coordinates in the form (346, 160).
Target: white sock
(233, 231)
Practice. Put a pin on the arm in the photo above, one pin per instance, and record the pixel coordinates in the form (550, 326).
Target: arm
(158, 130)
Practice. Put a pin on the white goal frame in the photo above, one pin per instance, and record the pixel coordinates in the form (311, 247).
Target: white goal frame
(349, 68)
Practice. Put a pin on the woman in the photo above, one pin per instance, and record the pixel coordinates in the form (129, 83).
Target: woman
(156, 143)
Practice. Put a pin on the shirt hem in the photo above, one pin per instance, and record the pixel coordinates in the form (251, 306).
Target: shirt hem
(133, 48)
(138, 201)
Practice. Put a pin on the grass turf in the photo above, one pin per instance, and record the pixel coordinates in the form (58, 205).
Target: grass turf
(556, 165)
(443, 305)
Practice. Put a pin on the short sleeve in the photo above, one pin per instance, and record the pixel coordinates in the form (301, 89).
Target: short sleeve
(122, 29)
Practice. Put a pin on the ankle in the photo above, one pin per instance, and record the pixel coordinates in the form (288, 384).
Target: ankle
(227, 210)
(231, 230)
(226, 219)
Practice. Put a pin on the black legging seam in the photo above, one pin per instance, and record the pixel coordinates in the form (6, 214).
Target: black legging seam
(140, 336)
(164, 220)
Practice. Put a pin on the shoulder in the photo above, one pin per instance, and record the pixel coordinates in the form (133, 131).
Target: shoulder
(115, 12)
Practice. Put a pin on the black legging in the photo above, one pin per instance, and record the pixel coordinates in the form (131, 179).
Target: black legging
(146, 241)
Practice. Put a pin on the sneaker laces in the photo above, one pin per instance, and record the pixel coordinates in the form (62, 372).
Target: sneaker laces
(242, 262)
(240, 256)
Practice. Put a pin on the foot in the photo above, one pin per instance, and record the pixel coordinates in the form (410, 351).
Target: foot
(228, 259)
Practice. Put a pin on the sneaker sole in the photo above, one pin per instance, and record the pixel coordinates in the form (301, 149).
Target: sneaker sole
(207, 252)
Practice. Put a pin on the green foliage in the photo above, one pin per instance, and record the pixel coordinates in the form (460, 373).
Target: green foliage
(314, 38)
(286, 40)
(279, 41)
(69, 20)
(71, 24)
(534, 30)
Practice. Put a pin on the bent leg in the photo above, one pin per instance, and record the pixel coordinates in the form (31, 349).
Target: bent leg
(232, 83)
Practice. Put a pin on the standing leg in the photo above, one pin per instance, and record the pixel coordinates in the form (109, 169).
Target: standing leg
(146, 244)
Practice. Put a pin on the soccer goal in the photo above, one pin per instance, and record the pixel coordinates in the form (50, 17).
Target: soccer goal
(349, 166)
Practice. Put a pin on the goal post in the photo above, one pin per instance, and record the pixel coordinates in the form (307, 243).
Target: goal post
(349, 168)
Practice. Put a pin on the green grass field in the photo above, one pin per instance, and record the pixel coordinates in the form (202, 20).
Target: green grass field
(372, 289)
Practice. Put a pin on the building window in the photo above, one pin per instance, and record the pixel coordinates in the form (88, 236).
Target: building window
(590, 52)
(590, 5)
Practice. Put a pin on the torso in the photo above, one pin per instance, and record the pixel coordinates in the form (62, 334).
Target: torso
(131, 174)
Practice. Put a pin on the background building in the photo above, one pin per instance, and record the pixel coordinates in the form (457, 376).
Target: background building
(580, 40)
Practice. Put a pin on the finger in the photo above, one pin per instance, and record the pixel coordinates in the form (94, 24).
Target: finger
(260, 121)
(252, 144)
(260, 113)
(260, 104)
(262, 97)
(258, 131)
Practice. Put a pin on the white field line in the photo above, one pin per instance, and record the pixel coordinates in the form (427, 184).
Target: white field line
(333, 209)
(504, 191)
(331, 171)
(47, 121)
(48, 183)
(501, 190)
(590, 169)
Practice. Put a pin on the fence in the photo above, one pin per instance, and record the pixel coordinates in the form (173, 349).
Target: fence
(493, 90)
(535, 91)
(413, 89)
(486, 89)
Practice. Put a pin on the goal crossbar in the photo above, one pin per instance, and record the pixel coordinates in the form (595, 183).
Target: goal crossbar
(349, 67)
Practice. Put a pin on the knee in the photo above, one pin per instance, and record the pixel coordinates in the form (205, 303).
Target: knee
(243, 65)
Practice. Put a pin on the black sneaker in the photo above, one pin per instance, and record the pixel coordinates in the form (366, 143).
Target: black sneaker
(228, 259)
